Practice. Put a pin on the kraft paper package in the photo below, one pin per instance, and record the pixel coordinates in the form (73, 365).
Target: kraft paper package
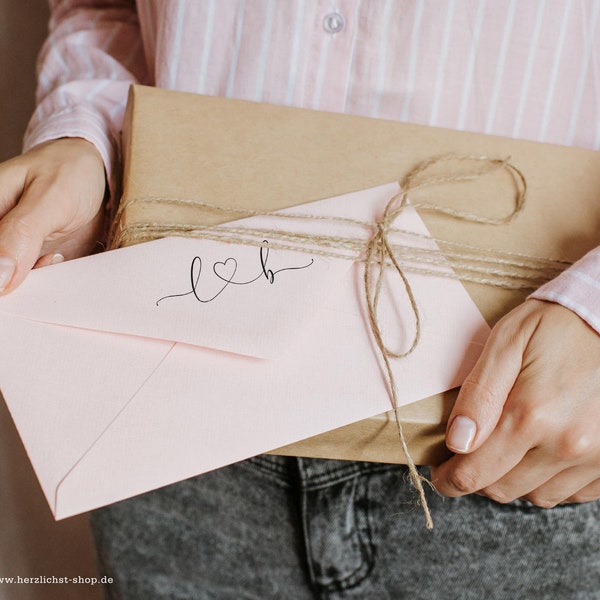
(263, 157)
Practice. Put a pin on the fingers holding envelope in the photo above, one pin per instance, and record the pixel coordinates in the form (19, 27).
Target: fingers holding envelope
(50, 205)
(528, 417)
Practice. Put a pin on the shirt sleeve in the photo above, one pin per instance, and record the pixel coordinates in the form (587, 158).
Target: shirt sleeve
(92, 54)
(577, 288)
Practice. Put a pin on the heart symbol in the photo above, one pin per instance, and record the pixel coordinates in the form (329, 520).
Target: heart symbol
(225, 270)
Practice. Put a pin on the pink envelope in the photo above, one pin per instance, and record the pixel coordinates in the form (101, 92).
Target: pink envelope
(136, 368)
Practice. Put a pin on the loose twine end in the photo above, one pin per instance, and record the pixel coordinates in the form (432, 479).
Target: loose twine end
(379, 253)
(381, 256)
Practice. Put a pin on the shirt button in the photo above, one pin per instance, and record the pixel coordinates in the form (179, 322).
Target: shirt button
(333, 22)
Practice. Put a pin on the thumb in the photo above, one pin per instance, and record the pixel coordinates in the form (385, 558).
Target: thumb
(484, 392)
(22, 233)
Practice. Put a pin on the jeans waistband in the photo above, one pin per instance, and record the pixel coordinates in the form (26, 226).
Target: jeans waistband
(315, 473)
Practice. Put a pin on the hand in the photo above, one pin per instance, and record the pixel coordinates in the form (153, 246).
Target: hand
(50, 207)
(527, 419)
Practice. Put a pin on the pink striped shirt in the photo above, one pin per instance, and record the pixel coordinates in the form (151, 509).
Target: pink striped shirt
(520, 69)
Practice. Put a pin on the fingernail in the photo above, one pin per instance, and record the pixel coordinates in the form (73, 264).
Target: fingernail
(461, 435)
(57, 258)
(7, 269)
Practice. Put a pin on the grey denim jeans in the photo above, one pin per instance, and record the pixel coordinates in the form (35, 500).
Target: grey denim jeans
(295, 529)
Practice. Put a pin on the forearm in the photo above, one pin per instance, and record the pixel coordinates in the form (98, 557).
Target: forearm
(92, 54)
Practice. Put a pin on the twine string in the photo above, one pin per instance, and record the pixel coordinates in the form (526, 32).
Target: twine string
(509, 270)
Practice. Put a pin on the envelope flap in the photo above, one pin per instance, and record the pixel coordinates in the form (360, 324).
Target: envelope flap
(234, 298)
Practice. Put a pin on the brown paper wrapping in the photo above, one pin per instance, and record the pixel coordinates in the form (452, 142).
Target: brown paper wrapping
(266, 157)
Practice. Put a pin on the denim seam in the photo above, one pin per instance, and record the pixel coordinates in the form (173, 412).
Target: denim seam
(270, 464)
(307, 545)
(281, 475)
(343, 474)
(364, 569)
(366, 549)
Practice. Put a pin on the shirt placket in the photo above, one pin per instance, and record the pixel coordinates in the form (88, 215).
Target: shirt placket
(331, 35)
